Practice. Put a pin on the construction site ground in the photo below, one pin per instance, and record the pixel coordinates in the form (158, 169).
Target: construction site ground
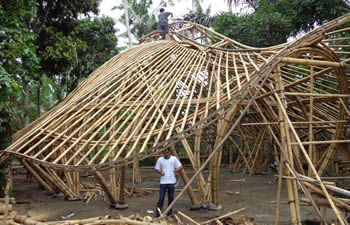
(256, 193)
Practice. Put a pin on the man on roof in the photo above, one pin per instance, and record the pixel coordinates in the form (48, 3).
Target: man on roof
(163, 23)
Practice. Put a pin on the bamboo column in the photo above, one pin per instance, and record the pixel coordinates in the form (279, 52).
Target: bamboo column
(223, 128)
(112, 176)
(283, 132)
(122, 175)
(112, 170)
(312, 153)
(136, 175)
(101, 180)
(197, 162)
(76, 181)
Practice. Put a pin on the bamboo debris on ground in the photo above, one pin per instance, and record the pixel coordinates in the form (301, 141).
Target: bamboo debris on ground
(224, 216)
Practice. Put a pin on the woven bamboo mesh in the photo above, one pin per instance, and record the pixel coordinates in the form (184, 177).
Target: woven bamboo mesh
(290, 99)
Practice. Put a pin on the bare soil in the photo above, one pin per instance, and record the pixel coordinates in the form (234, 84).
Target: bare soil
(256, 194)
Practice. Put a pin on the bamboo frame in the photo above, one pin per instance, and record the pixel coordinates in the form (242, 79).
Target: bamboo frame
(196, 86)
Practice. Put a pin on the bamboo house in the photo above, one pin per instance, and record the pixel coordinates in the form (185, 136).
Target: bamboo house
(287, 103)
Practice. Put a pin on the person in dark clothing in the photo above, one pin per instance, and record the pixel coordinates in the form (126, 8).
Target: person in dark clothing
(163, 23)
(166, 166)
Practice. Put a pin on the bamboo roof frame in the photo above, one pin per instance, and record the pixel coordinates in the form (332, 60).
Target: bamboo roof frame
(195, 85)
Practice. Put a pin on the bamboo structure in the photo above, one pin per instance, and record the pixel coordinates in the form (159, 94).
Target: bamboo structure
(200, 90)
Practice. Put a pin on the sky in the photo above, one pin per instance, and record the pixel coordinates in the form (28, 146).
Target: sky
(179, 9)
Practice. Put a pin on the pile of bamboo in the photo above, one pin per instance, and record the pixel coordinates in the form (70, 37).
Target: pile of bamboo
(178, 218)
(93, 190)
(8, 216)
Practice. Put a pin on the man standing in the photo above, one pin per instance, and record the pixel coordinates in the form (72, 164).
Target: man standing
(166, 166)
(163, 26)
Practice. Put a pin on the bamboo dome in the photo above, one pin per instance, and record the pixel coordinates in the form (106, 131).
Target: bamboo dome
(290, 101)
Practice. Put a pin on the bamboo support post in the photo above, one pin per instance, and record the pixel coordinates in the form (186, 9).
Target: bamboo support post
(100, 179)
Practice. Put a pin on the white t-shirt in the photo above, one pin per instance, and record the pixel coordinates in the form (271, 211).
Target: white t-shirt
(168, 166)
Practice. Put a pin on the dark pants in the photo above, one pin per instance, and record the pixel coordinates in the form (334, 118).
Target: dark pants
(163, 29)
(163, 189)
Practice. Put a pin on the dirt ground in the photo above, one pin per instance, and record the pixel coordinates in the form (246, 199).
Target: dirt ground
(256, 194)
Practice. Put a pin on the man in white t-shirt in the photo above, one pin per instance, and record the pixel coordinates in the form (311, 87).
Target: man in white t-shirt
(166, 166)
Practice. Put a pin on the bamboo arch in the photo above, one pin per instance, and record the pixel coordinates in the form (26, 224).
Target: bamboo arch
(289, 100)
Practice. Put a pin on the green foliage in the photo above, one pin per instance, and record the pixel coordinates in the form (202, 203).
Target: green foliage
(272, 22)
(200, 16)
(304, 15)
(18, 62)
(3, 177)
(96, 43)
(44, 51)
(141, 20)
(254, 29)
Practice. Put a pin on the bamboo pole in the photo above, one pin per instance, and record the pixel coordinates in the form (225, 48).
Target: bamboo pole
(310, 118)
(188, 218)
(223, 216)
(284, 141)
(100, 179)
(315, 62)
(279, 188)
(194, 201)
(112, 177)
(121, 198)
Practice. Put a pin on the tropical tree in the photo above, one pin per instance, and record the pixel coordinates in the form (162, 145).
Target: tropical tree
(18, 66)
(250, 3)
(97, 44)
(255, 29)
(200, 15)
(55, 23)
(142, 20)
(272, 22)
(43, 46)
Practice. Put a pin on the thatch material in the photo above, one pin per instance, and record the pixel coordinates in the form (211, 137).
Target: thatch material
(288, 100)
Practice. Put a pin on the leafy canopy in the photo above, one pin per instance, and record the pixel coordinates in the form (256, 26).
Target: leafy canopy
(273, 22)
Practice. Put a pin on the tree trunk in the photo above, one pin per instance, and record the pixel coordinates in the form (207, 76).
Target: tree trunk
(38, 100)
(127, 21)
(25, 85)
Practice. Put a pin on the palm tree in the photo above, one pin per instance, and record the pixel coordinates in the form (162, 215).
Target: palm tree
(200, 15)
(141, 21)
(127, 22)
(251, 3)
